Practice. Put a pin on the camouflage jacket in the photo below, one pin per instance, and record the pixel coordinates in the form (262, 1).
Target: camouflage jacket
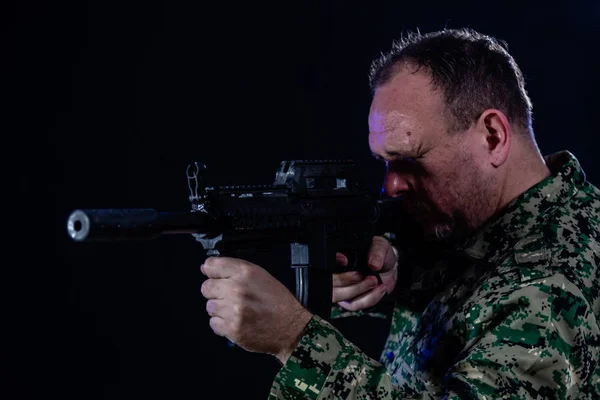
(518, 319)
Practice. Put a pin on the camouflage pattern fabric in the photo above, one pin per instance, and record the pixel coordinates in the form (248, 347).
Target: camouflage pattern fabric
(513, 314)
(339, 312)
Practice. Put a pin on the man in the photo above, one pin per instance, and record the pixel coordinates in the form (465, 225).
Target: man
(510, 309)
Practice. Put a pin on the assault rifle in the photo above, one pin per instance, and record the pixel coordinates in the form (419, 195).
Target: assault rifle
(316, 208)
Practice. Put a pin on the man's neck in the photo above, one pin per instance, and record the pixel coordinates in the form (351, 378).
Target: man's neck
(526, 170)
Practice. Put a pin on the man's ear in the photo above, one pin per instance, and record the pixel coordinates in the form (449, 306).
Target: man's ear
(494, 125)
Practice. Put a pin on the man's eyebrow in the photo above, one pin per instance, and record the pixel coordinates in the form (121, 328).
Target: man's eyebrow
(392, 155)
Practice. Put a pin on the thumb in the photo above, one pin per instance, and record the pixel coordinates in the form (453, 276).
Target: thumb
(382, 257)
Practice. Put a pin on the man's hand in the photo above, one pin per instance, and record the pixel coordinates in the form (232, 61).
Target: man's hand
(354, 292)
(251, 308)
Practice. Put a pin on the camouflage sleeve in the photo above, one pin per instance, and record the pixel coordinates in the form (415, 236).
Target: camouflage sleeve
(538, 341)
(338, 312)
(324, 364)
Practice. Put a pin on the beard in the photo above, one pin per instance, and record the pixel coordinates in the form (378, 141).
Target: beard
(436, 225)
(461, 205)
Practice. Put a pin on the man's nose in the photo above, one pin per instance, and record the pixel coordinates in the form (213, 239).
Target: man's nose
(395, 184)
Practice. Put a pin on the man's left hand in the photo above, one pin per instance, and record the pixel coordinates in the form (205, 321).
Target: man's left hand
(251, 308)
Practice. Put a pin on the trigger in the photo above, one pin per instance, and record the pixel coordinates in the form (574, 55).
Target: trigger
(375, 274)
(366, 271)
(379, 281)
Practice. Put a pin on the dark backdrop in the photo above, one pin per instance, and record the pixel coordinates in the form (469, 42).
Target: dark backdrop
(108, 101)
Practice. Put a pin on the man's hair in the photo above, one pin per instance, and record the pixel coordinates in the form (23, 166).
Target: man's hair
(474, 71)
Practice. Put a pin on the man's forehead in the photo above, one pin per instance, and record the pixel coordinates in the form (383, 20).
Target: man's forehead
(404, 113)
(385, 120)
(391, 142)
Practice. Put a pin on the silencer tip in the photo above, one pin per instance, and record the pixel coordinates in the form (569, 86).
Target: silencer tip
(78, 225)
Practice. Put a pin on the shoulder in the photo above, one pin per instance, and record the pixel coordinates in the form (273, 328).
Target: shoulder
(572, 230)
(567, 242)
(578, 218)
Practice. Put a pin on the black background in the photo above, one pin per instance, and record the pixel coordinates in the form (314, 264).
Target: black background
(106, 102)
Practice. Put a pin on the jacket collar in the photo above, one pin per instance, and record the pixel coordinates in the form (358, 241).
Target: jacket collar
(500, 233)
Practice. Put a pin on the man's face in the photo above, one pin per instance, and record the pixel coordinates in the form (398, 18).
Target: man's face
(439, 174)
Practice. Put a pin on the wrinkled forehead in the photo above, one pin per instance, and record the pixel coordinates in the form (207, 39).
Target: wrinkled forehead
(384, 121)
(406, 114)
(393, 136)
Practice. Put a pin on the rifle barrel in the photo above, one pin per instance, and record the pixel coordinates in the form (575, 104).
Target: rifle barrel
(131, 224)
